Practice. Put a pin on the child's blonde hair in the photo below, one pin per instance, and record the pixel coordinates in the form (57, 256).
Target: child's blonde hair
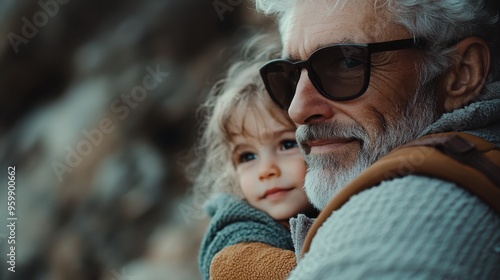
(224, 113)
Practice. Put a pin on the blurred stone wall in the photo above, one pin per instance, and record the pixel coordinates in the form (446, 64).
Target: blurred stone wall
(98, 102)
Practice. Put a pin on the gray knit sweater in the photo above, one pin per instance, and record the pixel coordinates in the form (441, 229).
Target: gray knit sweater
(413, 227)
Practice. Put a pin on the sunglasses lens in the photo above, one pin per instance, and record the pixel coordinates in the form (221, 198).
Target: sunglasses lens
(280, 78)
(339, 71)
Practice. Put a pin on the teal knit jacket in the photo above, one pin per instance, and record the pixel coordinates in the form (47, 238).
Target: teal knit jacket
(413, 227)
(234, 221)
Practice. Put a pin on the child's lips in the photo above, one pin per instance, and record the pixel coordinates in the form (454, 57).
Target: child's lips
(274, 193)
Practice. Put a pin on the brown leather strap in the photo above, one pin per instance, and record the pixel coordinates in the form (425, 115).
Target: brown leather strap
(429, 156)
(459, 148)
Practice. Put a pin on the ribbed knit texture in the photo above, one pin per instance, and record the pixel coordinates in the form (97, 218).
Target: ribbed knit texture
(414, 227)
(409, 228)
(300, 225)
(480, 118)
(234, 221)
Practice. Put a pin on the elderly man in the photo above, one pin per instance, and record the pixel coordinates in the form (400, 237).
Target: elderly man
(362, 77)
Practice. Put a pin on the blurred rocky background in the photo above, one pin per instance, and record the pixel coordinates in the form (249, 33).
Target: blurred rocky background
(98, 102)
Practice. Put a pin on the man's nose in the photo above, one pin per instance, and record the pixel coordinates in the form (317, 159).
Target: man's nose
(308, 105)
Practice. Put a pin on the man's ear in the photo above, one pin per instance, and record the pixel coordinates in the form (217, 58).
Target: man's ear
(465, 79)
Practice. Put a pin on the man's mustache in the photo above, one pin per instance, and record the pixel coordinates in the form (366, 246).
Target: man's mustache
(334, 130)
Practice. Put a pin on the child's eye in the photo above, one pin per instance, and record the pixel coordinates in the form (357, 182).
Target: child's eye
(288, 144)
(245, 157)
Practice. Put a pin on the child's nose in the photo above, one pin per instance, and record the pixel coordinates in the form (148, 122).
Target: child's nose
(268, 168)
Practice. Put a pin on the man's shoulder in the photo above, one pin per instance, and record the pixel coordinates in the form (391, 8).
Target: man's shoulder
(407, 205)
(406, 197)
(413, 189)
(416, 223)
(468, 160)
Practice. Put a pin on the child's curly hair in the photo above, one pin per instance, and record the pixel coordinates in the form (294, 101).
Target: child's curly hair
(223, 116)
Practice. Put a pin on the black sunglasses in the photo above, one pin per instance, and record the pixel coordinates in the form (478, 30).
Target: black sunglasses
(339, 72)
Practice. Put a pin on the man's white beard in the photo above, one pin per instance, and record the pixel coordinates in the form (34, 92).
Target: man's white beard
(327, 174)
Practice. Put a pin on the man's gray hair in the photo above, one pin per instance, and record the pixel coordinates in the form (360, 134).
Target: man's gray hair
(441, 22)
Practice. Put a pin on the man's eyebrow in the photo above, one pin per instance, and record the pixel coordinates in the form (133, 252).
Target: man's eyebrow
(341, 42)
(318, 46)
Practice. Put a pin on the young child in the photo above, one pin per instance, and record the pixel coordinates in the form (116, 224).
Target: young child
(248, 149)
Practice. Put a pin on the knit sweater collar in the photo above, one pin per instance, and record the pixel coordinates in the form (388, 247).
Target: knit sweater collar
(480, 118)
